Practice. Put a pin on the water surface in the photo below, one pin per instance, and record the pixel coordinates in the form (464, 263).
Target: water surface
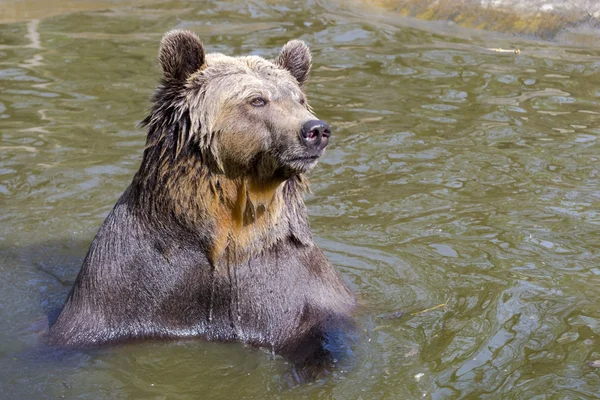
(456, 175)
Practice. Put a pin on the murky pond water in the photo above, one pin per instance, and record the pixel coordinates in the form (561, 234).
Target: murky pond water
(456, 176)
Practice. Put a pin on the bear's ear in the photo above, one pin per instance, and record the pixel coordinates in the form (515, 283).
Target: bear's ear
(181, 54)
(295, 57)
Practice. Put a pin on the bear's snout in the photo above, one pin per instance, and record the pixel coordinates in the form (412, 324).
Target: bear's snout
(315, 134)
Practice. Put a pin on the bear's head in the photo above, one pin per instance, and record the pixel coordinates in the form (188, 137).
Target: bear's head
(243, 116)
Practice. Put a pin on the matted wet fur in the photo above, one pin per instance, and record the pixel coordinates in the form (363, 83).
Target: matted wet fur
(211, 238)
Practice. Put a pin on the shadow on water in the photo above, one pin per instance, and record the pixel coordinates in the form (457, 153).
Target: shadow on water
(46, 271)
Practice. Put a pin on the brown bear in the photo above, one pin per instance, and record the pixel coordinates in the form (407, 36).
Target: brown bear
(211, 238)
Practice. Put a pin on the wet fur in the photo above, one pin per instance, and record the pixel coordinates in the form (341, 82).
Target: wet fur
(211, 238)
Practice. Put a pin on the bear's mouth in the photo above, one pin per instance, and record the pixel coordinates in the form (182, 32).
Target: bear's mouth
(303, 163)
(307, 159)
(299, 164)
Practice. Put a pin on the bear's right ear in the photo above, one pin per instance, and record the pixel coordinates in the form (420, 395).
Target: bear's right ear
(181, 54)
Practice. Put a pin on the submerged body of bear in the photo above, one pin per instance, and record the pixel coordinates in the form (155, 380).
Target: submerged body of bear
(211, 238)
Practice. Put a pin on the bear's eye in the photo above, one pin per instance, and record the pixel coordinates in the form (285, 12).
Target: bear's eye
(302, 101)
(258, 102)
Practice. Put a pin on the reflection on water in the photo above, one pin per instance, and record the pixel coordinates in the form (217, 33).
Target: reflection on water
(456, 176)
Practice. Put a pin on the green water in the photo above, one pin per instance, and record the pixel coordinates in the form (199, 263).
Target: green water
(455, 175)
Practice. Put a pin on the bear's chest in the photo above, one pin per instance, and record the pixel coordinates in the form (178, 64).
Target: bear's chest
(266, 296)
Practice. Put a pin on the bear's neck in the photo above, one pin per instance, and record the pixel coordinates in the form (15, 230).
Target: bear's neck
(233, 218)
(246, 216)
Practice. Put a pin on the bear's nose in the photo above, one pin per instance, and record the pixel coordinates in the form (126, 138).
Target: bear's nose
(315, 133)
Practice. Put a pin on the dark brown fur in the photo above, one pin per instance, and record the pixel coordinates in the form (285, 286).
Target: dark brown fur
(211, 238)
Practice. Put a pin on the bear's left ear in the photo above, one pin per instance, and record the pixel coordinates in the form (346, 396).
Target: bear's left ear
(181, 54)
(295, 57)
